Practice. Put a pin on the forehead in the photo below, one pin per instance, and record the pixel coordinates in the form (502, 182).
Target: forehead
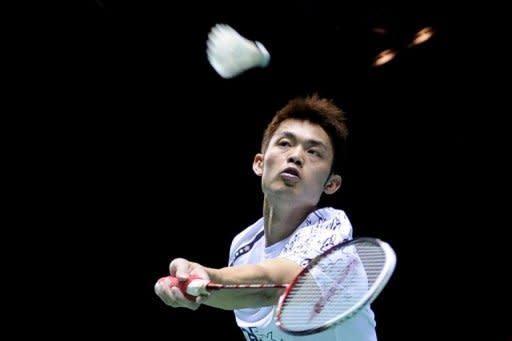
(303, 130)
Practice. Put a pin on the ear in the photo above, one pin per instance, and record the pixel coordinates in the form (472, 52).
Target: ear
(332, 184)
(257, 164)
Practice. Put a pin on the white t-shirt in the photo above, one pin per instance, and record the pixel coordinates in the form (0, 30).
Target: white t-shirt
(322, 229)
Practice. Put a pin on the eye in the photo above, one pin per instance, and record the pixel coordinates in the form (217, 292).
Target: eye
(284, 143)
(315, 152)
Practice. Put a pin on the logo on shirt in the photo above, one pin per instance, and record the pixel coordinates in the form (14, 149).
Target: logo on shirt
(253, 334)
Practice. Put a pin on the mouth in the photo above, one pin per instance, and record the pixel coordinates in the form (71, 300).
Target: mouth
(291, 172)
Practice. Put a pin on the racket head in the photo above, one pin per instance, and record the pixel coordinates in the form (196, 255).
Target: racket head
(335, 285)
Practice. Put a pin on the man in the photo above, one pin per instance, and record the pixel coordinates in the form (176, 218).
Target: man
(300, 155)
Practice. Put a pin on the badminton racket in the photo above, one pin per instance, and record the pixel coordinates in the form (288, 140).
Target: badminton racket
(332, 288)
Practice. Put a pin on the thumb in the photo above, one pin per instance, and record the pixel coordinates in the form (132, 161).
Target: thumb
(179, 268)
(199, 273)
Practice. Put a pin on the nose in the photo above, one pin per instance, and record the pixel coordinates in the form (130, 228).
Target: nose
(296, 157)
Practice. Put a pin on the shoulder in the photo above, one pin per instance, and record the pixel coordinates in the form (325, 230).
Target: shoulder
(322, 229)
(248, 232)
(333, 213)
(247, 235)
(327, 218)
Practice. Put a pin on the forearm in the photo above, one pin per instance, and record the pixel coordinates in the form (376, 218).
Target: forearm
(276, 271)
(231, 299)
(241, 274)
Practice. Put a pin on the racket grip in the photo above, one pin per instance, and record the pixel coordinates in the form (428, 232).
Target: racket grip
(191, 287)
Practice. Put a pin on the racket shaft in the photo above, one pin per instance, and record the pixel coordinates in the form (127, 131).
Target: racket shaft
(198, 287)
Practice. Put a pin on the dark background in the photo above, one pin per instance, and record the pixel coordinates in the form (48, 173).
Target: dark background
(139, 153)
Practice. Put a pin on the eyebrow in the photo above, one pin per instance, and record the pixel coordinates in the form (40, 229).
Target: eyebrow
(310, 142)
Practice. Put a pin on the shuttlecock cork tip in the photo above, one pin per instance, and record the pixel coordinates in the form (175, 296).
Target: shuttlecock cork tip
(265, 60)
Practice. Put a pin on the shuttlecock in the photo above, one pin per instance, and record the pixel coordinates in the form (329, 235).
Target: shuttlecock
(230, 54)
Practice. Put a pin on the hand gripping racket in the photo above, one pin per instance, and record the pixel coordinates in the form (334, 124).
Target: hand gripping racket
(329, 290)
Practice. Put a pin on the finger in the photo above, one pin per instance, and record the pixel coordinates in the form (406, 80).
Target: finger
(172, 266)
(179, 300)
(179, 268)
(159, 286)
(199, 272)
(170, 295)
(163, 290)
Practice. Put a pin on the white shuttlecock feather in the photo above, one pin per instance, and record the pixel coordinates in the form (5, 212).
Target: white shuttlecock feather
(230, 54)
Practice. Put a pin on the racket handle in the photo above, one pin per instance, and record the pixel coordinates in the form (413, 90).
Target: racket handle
(191, 287)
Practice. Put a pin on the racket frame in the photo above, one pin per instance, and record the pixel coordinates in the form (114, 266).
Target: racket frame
(372, 293)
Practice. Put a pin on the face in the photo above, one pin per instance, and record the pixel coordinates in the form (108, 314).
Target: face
(297, 163)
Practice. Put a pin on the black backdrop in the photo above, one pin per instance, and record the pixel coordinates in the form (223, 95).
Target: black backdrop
(147, 152)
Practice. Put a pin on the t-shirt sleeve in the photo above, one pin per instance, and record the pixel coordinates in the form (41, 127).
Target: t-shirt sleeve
(309, 241)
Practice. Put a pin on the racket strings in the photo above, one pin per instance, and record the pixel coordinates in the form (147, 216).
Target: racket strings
(332, 287)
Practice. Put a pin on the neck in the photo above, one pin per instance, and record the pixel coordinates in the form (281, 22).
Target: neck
(280, 221)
